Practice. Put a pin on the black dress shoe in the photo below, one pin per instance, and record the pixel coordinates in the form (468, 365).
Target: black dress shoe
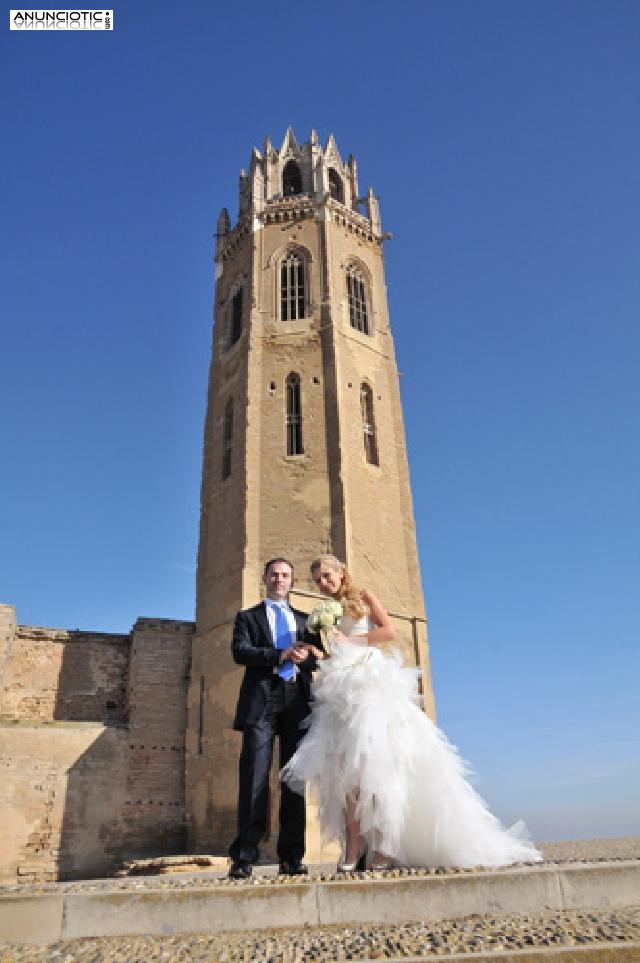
(240, 869)
(293, 867)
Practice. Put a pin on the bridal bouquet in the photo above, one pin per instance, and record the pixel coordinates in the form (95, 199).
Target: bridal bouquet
(325, 616)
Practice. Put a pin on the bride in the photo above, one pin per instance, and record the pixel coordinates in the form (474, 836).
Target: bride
(385, 778)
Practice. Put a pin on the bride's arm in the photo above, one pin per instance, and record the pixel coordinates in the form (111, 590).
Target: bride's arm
(384, 630)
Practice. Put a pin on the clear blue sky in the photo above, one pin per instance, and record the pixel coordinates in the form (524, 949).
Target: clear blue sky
(504, 141)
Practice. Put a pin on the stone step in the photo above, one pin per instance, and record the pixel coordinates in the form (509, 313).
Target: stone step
(206, 903)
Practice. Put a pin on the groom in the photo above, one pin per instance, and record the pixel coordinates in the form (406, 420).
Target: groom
(274, 699)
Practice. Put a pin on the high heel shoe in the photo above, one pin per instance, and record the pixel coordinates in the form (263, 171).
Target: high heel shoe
(359, 864)
(381, 862)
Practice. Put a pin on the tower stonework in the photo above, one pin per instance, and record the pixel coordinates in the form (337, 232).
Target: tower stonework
(304, 448)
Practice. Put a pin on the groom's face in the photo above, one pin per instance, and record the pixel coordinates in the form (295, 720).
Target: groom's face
(278, 580)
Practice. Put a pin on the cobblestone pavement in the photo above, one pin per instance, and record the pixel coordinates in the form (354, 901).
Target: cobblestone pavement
(591, 851)
(469, 936)
(481, 937)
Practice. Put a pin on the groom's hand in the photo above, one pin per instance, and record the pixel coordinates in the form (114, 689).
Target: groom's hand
(295, 654)
(313, 650)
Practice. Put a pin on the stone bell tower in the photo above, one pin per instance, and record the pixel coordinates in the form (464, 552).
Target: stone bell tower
(304, 448)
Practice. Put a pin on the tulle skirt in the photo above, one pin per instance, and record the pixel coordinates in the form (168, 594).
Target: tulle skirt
(366, 736)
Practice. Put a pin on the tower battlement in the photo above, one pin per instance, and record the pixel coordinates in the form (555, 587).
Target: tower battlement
(292, 181)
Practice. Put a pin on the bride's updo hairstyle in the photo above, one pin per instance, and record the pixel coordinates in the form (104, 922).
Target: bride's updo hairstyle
(347, 594)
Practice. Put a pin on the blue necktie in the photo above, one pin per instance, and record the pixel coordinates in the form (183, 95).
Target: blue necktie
(283, 640)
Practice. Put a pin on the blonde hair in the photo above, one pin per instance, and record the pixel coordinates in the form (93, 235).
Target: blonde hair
(348, 594)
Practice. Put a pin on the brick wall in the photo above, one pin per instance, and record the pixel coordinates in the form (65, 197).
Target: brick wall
(92, 734)
(56, 674)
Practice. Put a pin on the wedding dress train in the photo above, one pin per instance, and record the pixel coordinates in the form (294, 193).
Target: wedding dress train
(368, 737)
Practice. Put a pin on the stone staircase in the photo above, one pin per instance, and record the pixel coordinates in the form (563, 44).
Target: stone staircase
(567, 910)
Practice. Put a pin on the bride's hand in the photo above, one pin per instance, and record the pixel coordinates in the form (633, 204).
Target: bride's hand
(335, 635)
(314, 650)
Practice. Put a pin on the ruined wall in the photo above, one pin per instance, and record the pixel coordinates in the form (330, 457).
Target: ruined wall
(154, 806)
(61, 795)
(56, 674)
(91, 747)
(7, 633)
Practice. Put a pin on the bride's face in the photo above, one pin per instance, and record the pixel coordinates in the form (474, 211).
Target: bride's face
(328, 580)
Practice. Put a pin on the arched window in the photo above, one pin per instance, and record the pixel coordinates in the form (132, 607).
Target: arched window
(294, 415)
(292, 287)
(336, 189)
(291, 179)
(368, 424)
(358, 302)
(227, 438)
(234, 319)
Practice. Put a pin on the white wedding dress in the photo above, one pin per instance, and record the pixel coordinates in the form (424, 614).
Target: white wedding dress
(366, 733)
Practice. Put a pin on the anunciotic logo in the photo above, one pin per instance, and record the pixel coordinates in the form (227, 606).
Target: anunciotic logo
(61, 19)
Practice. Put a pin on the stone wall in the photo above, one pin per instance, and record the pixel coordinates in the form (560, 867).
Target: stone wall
(7, 633)
(62, 796)
(56, 674)
(92, 732)
(154, 807)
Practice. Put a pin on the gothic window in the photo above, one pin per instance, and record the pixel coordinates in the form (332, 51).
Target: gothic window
(335, 186)
(234, 319)
(358, 301)
(291, 179)
(292, 287)
(294, 415)
(368, 424)
(227, 438)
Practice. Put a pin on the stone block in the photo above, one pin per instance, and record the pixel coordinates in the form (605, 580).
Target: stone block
(31, 919)
(191, 910)
(582, 885)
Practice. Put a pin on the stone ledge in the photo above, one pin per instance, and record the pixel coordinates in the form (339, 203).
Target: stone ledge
(253, 905)
(45, 633)
(160, 865)
(14, 723)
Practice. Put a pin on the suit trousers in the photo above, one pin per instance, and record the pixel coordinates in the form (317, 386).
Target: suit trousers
(285, 709)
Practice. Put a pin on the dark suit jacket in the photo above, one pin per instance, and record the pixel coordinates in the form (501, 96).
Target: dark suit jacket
(253, 647)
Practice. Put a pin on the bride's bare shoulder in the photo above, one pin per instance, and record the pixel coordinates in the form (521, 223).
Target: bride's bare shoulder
(378, 613)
